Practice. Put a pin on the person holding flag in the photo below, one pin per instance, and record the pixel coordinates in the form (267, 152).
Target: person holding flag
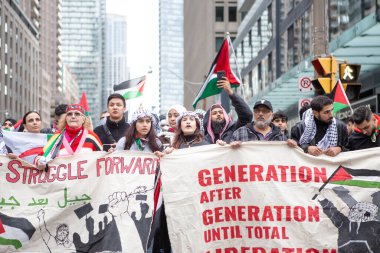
(217, 125)
(75, 137)
(367, 129)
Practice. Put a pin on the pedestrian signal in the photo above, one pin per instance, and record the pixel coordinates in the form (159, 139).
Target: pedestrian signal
(349, 75)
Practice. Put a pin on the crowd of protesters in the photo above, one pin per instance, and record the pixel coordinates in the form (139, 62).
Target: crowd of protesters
(317, 132)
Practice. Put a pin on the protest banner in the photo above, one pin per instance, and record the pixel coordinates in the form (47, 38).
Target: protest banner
(93, 202)
(265, 197)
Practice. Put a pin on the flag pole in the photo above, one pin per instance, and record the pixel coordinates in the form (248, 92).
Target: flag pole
(327, 181)
(235, 60)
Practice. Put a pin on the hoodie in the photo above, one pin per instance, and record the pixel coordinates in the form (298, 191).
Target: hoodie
(243, 112)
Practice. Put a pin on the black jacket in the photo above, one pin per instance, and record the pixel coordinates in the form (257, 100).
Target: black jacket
(299, 128)
(357, 141)
(243, 112)
(117, 130)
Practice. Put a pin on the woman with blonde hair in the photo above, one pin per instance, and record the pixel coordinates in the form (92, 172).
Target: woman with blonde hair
(74, 138)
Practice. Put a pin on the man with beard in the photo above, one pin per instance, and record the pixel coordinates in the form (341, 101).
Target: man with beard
(319, 132)
(262, 128)
(367, 129)
(216, 123)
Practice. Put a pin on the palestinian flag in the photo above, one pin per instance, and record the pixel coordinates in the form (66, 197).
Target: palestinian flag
(132, 88)
(340, 98)
(15, 232)
(221, 62)
(364, 178)
(26, 145)
(83, 102)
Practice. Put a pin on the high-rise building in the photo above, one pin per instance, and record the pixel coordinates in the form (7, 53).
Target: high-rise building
(277, 40)
(20, 75)
(83, 27)
(69, 86)
(50, 46)
(45, 17)
(171, 53)
(205, 26)
(116, 70)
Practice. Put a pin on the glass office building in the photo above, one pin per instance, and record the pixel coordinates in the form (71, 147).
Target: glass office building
(83, 47)
(171, 53)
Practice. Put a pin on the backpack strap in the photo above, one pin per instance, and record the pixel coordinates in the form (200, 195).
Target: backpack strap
(108, 133)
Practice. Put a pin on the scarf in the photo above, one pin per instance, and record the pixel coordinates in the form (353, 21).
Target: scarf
(209, 127)
(73, 136)
(141, 143)
(329, 140)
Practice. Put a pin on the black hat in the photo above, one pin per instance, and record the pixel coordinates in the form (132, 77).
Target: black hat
(263, 102)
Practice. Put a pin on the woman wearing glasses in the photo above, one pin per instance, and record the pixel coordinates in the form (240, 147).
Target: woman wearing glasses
(75, 137)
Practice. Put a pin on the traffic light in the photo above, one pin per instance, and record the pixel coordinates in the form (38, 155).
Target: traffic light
(349, 75)
(325, 68)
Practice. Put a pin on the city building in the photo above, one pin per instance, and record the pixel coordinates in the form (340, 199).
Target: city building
(205, 26)
(116, 69)
(20, 74)
(171, 43)
(50, 50)
(69, 86)
(277, 40)
(83, 47)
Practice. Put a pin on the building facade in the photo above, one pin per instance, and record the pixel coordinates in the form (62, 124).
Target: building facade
(20, 88)
(50, 50)
(205, 26)
(83, 46)
(277, 40)
(171, 39)
(69, 86)
(116, 69)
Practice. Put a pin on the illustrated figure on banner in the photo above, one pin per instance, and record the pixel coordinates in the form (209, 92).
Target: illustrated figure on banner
(60, 239)
(359, 231)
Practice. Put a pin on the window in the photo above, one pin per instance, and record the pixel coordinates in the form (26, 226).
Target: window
(232, 14)
(219, 14)
(218, 43)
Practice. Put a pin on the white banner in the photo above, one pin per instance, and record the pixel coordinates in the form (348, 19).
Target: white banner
(264, 198)
(85, 203)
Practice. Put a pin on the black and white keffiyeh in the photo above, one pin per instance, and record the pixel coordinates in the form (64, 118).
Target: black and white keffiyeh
(329, 140)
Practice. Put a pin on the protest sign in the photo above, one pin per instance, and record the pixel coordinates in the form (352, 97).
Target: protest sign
(85, 203)
(265, 197)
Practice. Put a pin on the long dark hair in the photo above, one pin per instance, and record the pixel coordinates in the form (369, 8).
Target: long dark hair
(179, 137)
(131, 133)
(21, 129)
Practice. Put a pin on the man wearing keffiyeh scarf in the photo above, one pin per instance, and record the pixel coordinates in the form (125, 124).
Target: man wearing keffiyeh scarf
(320, 133)
(216, 123)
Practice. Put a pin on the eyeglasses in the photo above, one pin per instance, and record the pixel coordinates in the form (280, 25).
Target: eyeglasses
(280, 120)
(76, 114)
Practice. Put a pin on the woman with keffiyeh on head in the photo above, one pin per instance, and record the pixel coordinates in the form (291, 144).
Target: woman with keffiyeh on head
(141, 135)
(74, 138)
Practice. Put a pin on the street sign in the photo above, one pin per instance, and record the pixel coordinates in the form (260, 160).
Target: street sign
(303, 102)
(304, 84)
